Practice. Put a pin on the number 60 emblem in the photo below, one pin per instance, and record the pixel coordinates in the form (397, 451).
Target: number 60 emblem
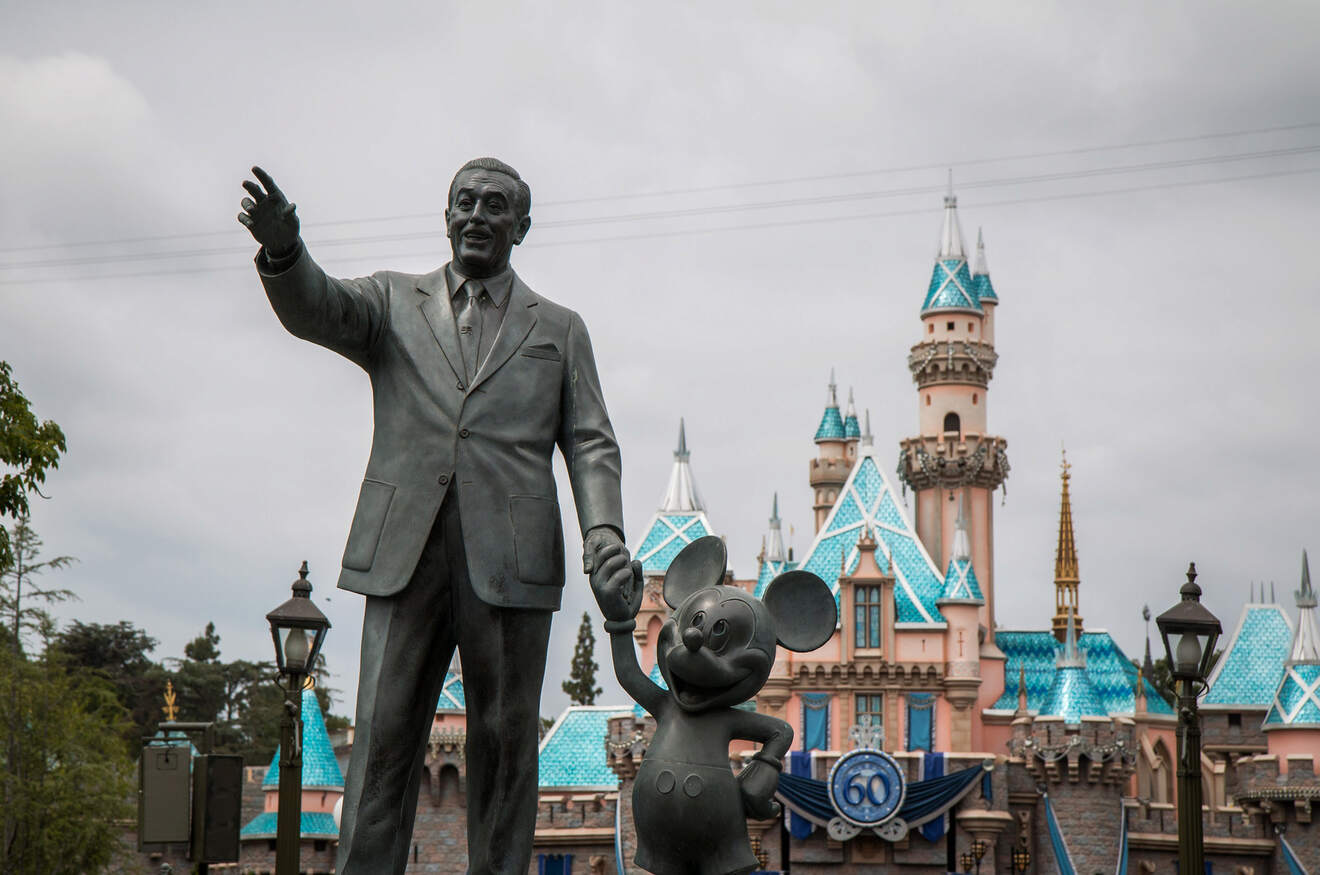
(867, 787)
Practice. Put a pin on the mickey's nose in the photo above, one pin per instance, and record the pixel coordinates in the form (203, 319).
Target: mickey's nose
(692, 638)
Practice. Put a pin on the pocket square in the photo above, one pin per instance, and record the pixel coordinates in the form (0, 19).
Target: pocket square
(542, 351)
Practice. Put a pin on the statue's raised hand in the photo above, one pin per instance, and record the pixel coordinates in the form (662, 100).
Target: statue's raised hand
(269, 215)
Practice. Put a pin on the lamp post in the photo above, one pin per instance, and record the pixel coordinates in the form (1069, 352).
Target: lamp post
(1020, 857)
(966, 860)
(291, 626)
(1196, 630)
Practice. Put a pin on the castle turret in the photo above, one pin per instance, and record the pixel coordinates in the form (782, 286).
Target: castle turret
(1066, 576)
(1293, 720)
(829, 470)
(960, 603)
(953, 456)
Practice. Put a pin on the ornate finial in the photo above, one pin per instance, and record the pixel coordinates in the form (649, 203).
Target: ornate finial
(833, 399)
(302, 587)
(1145, 613)
(1067, 573)
(682, 452)
(863, 734)
(867, 438)
(1305, 595)
(171, 710)
(1064, 466)
(1190, 590)
(949, 199)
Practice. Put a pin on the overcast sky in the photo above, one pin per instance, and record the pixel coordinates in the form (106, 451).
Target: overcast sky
(1160, 322)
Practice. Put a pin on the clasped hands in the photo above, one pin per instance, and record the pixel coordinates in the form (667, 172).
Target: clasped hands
(616, 579)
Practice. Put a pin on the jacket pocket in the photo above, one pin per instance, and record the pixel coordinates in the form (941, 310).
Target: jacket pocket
(368, 522)
(538, 543)
(547, 351)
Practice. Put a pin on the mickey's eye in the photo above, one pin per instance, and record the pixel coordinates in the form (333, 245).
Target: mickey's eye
(719, 635)
(698, 619)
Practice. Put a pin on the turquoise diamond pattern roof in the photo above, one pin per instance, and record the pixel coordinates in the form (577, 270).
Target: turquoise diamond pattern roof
(851, 427)
(1297, 703)
(319, 766)
(960, 582)
(831, 425)
(1251, 666)
(667, 534)
(1072, 696)
(1111, 673)
(951, 287)
(312, 825)
(867, 501)
(451, 694)
(572, 753)
(984, 289)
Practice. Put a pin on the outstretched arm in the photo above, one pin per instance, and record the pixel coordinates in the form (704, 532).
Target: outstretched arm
(617, 585)
(346, 316)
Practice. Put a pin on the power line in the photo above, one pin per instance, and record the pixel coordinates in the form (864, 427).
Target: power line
(688, 232)
(688, 212)
(709, 188)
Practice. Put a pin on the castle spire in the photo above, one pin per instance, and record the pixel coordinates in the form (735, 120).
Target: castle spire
(774, 549)
(981, 285)
(951, 241)
(960, 583)
(868, 439)
(1066, 576)
(681, 494)
(1306, 643)
(852, 430)
(831, 423)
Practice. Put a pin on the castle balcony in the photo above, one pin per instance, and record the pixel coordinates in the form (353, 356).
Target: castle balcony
(953, 460)
(959, 362)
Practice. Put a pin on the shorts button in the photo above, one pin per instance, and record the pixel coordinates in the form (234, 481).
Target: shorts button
(664, 782)
(444, 478)
(463, 432)
(692, 785)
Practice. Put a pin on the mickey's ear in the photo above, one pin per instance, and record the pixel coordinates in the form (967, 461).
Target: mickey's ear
(803, 609)
(697, 566)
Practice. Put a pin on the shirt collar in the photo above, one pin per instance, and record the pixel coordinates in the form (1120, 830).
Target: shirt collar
(497, 287)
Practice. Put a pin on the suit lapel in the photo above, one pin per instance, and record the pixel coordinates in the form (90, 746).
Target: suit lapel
(514, 329)
(439, 314)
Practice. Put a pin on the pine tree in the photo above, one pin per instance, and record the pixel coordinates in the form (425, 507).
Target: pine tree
(581, 684)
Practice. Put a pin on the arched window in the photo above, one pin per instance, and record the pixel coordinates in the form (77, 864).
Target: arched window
(952, 423)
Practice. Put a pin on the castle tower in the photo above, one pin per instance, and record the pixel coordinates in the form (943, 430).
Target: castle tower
(829, 470)
(960, 604)
(1066, 575)
(680, 520)
(953, 456)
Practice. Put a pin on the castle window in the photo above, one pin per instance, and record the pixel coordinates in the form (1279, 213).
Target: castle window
(867, 612)
(870, 709)
(952, 423)
(949, 326)
(974, 397)
(816, 721)
(1235, 720)
(931, 327)
(927, 400)
(920, 721)
(971, 327)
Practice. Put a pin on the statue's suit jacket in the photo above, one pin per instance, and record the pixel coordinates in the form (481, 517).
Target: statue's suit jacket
(492, 440)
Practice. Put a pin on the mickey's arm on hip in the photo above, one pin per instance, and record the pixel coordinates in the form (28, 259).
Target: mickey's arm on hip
(617, 584)
(760, 778)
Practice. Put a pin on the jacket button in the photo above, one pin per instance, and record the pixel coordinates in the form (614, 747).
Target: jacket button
(463, 432)
(443, 479)
(459, 386)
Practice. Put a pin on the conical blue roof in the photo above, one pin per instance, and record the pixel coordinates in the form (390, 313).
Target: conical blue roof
(319, 766)
(831, 422)
(960, 582)
(1297, 703)
(981, 285)
(951, 288)
(1072, 696)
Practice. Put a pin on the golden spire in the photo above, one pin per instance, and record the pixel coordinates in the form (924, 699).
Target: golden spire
(171, 710)
(1066, 575)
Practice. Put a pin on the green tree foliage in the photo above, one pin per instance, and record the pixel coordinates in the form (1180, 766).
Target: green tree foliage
(67, 775)
(28, 449)
(120, 653)
(1162, 679)
(581, 684)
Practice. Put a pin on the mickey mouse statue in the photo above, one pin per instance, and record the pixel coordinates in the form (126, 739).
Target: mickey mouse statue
(715, 651)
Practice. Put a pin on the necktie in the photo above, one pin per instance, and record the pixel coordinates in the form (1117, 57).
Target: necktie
(469, 326)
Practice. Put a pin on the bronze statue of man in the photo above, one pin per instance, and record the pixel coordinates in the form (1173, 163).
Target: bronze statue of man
(457, 538)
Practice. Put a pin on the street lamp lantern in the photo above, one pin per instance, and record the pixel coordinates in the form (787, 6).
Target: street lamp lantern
(1020, 857)
(1196, 631)
(967, 860)
(298, 628)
